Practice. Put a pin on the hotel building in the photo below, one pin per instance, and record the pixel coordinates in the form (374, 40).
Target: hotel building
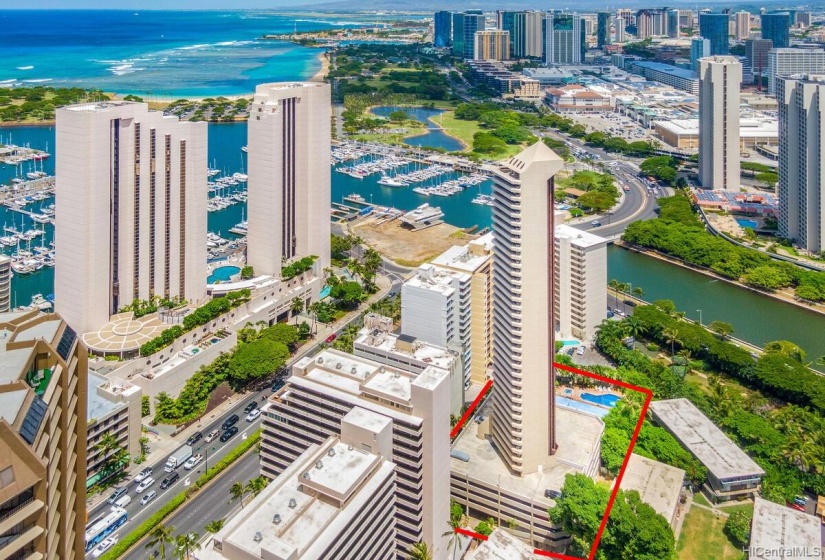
(491, 44)
(131, 223)
(335, 502)
(565, 42)
(289, 175)
(43, 435)
(719, 80)
(801, 126)
(581, 282)
(323, 390)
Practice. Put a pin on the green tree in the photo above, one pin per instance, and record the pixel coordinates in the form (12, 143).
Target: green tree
(159, 538)
(485, 527)
(786, 348)
(145, 406)
(257, 359)
(296, 307)
(721, 328)
(671, 336)
(348, 294)
(115, 457)
(256, 485)
(247, 272)
(186, 545)
(766, 277)
(738, 528)
(214, 526)
(596, 201)
(237, 492)
(420, 551)
(615, 444)
(398, 116)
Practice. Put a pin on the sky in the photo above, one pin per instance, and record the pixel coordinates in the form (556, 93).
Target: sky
(163, 4)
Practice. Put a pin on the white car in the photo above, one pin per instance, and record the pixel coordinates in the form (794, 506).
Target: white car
(580, 351)
(144, 484)
(192, 461)
(104, 545)
(142, 474)
(252, 416)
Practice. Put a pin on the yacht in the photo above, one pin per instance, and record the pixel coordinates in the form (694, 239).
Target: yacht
(423, 215)
(41, 303)
(388, 181)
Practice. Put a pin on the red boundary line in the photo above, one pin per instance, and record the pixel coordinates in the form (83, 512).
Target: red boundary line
(471, 409)
(648, 397)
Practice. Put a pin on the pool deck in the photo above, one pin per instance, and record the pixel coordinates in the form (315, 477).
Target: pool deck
(571, 398)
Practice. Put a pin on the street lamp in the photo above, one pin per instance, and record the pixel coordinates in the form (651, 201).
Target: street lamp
(700, 316)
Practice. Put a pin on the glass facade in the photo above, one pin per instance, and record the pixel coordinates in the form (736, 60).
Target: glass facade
(776, 27)
(714, 27)
(442, 28)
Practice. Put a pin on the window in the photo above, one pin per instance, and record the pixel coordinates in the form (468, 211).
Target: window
(6, 476)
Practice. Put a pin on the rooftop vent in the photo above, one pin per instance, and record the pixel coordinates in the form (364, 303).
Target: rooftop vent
(258, 536)
(319, 464)
(276, 518)
(331, 452)
(305, 476)
(320, 360)
(382, 369)
(293, 503)
(338, 365)
(354, 370)
(350, 447)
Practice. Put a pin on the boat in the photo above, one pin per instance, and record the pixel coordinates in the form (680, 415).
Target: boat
(40, 218)
(245, 149)
(424, 214)
(41, 303)
(388, 181)
(485, 199)
(355, 197)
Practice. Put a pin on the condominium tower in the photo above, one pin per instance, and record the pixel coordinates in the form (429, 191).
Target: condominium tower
(801, 101)
(5, 283)
(743, 25)
(523, 410)
(43, 435)
(491, 44)
(131, 223)
(719, 80)
(526, 37)
(289, 175)
(714, 27)
(442, 28)
(603, 29)
(566, 42)
(776, 27)
(465, 26)
(787, 62)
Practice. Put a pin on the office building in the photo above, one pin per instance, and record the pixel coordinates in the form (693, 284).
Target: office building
(5, 283)
(651, 23)
(699, 48)
(334, 502)
(743, 25)
(776, 27)
(714, 27)
(476, 260)
(43, 434)
(289, 176)
(788, 62)
(491, 44)
(777, 528)
(801, 101)
(580, 282)
(132, 219)
(731, 473)
(322, 395)
(523, 315)
(719, 80)
(378, 343)
(442, 29)
(756, 53)
(603, 36)
(566, 42)
(673, 23)
(465, 25)
(525, 28)
(435, 308)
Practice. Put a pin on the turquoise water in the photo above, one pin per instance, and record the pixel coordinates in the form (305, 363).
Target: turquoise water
(597, 411)
(222, 273)
(325, 292)
(604, 400)
(747, 223)
(567, 343)
(435, 136)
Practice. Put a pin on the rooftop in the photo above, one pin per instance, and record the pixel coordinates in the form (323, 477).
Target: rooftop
(668, 69)
(658, 484)
(45, 330)
(10, 404)
(12, 363)
(420, 351)
(709, 444)
(748, 128)
(777, 528)
(98, 406)
(429, 277)
(501, 545)
(578, 237)
(468, 257)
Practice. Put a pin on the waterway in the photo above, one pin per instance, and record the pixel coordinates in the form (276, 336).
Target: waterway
(435, 137)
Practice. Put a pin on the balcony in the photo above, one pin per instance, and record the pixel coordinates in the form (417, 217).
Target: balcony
(39, 380)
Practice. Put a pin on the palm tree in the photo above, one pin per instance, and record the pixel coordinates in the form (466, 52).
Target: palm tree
(456, 521)
(256, 485)
(186, 544)
(214, 526)
(420, 551)
(634, 326)
(160, 537)
(614, 285)
(237, 492)
(313, 310)
(638, 292)
(671, 337)
(296, 307)
(114, 456)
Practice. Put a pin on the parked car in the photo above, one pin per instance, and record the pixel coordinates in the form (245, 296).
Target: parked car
(277, 385)
(253, 415)
(596, 223)
(796, 506)
(581, 350)
(144, 484)
(330, 338)
(231, 421)
(552, 494)
(801, 501)
(211, 436)
(228, 434)
(117, 494)
(143, 474)
(104, 545)
(194, 438)
(169, 481)
(148, 498)
(192, 462)
(250, 407)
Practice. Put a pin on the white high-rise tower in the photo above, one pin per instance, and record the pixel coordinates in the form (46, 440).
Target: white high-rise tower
(719, 80)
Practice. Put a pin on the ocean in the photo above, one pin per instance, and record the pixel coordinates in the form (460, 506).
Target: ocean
(160, 55)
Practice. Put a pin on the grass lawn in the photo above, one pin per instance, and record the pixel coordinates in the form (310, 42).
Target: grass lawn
(746, 507)
(702, 538)
(699, 498)
(464, 131)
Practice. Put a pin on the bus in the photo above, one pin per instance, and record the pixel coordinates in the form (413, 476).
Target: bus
(104, 526)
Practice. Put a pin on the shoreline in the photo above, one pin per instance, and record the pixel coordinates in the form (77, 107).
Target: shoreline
(464, 145)
(321, 74)
(817, 308)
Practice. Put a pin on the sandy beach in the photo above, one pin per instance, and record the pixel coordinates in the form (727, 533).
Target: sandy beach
(322, 73)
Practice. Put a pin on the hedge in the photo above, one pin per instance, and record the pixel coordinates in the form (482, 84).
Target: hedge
(230, 458)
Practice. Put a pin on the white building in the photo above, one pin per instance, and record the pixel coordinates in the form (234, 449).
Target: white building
(778, 531)
(565, 39)
(581, 282)
(323, 391)
(5, 283)
(131, 223)
(335, 502)
(436, 308)
(801, 126)
(743, 25)
(719, 80)
(289, 175)
(787, 62)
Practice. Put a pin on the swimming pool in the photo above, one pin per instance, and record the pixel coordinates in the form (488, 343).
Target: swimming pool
(222, 273)
(325, 291)
(566, 343)
(743, 222)
(581, 407)
(604, 400)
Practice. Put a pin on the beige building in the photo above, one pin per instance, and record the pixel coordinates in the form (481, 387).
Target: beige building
(523, 412)
(719, 80)
(491, 44)
(778, 531)
(658, 484)
(324, 390)
(684, 133)
(743, 25)
(580, 296)
(289, 175)
(43, 434)
(476, 260)
(576, 98)
(131, 223)
(5, 283)
(334, 502)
